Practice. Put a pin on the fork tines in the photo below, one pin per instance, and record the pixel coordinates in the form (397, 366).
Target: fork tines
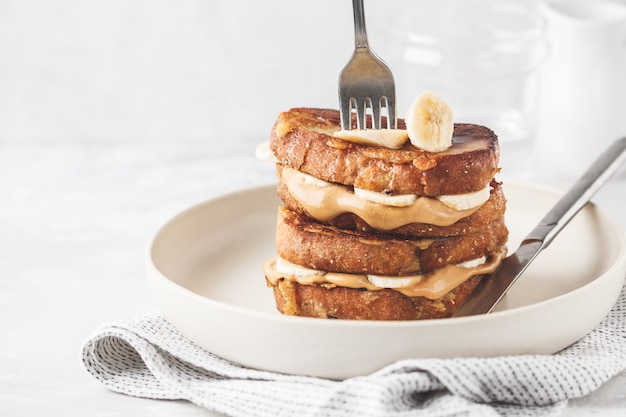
(369, 114)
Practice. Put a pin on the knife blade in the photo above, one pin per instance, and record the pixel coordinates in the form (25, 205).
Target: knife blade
(494, 286)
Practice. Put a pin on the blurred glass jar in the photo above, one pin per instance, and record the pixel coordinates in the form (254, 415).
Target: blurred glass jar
(480, 56)
(582, 100)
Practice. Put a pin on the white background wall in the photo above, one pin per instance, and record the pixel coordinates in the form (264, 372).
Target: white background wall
(164, 71)
(171, 70)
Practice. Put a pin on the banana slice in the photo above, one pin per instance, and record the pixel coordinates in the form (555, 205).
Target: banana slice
(402, 200)
(466, 201)
(392, 282)
(311, 180)
(264, 153)
(473, 263)
(387, 138)
(386, 281)
(285, 267)
(430, 123)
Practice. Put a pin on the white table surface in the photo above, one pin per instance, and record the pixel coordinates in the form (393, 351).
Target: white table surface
(74, 225)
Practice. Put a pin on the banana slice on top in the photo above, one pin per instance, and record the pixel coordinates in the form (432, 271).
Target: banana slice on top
(430, 123)
(387, 138)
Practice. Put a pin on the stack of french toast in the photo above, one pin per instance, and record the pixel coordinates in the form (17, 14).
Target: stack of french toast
(383, 225)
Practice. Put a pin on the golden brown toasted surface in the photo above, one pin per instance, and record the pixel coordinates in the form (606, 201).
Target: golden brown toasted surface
(302, 138)
(489, 212)
(303, 241)
(355, 304)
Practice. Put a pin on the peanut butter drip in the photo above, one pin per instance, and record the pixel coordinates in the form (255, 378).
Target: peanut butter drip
(432, 285)
(324, 203)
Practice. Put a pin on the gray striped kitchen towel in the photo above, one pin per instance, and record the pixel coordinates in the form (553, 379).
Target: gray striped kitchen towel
(147, 357)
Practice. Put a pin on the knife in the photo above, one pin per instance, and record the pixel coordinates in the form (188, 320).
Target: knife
(495, 285)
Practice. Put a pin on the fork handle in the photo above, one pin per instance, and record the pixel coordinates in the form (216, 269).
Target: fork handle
(360, 34)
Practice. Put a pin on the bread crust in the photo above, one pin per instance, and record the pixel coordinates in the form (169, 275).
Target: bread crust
(301, 138)
(303, 241)
(355, 304)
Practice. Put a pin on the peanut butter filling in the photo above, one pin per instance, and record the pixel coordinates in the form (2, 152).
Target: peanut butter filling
(324, 203)
(432, 285)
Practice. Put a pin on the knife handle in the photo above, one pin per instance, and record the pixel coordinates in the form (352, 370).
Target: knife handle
(579, 194)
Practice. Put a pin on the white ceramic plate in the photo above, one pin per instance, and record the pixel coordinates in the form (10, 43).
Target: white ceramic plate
(204, 268)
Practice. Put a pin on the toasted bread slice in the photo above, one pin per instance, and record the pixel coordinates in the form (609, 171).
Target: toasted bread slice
(319, 301)
(303, 241)
(302, 138)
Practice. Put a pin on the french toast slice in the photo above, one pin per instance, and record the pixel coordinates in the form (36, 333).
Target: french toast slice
(302, 138)
(320, 301)
(305, 242)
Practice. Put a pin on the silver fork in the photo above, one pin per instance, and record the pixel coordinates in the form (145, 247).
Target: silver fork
(365, 82)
